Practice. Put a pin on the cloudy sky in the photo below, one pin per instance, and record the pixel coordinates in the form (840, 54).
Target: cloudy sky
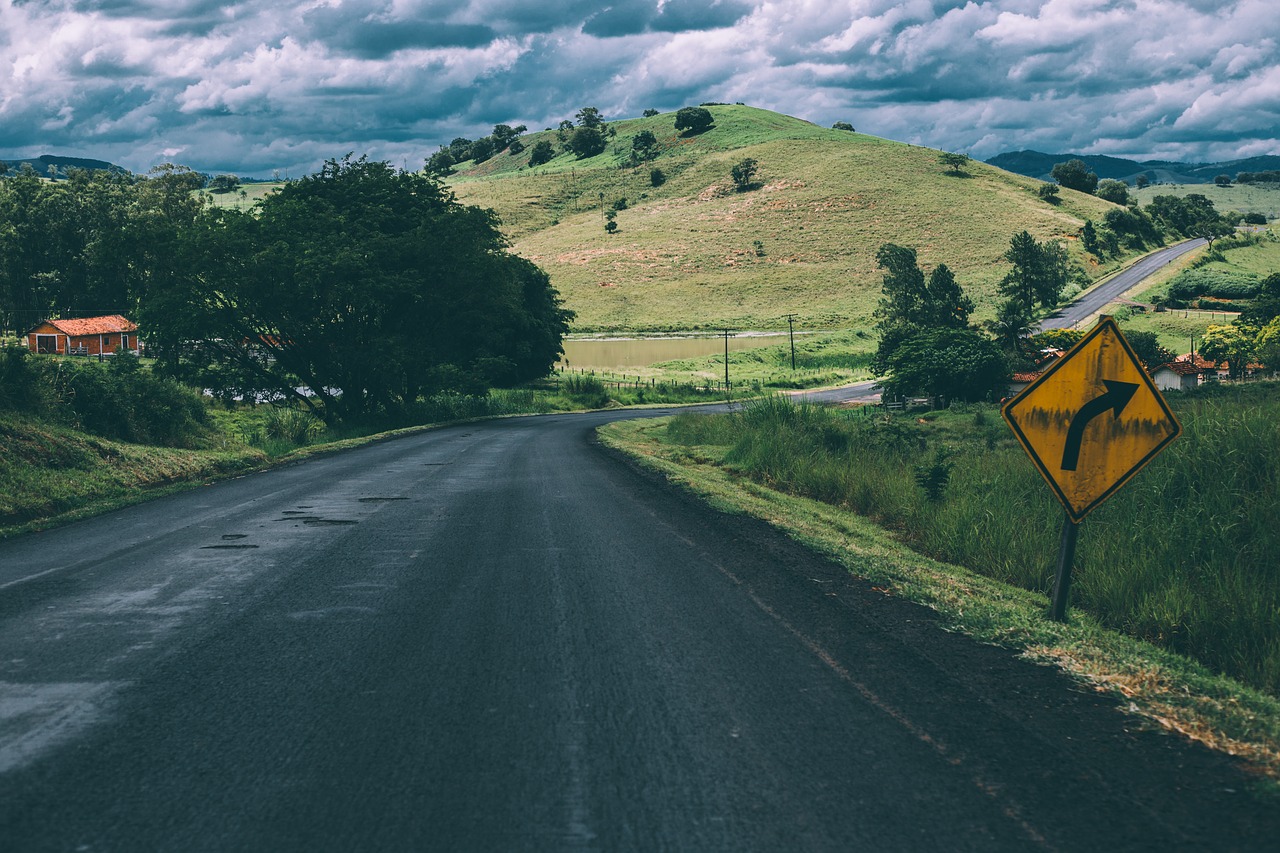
(261, 85)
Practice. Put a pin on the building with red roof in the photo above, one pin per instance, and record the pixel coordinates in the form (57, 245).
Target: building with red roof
(84, 336)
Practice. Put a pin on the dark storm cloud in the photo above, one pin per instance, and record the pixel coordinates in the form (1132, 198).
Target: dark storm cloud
(374, 30)
(671, 16)
(265, 84)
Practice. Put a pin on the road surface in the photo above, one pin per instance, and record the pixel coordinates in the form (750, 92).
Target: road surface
(501, 637)
(1094, 300)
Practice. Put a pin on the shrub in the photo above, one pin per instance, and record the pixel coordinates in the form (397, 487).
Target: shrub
(293, 425)
(743, 174)
(657, 177)
(542, 152)
(1221, 284)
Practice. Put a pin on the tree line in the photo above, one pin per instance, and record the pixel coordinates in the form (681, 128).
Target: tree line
(357, 292)
(929, 345)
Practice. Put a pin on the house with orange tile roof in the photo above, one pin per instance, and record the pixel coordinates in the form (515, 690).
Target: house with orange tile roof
(84, 336)
(1176, 376)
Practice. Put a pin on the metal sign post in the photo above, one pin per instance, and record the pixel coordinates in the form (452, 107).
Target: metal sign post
(1062, 580)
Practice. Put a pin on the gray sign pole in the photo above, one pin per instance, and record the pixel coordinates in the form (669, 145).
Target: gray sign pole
(1066, 556)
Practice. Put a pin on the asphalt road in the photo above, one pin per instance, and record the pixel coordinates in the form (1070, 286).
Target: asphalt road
(501, 637)
(1096, 299)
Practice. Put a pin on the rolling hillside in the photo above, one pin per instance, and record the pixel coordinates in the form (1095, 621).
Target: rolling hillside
(694, 254)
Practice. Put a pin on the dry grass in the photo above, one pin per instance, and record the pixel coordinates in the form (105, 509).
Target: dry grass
(686, 256)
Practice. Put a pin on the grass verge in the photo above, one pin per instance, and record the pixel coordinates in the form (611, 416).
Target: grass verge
(1166, 688)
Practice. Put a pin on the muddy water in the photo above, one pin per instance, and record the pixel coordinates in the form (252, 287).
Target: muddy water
(614, 353)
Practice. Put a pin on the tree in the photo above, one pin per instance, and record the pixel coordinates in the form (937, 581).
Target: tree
(1146, 346)
(912, 303)
(954, 364)
(1223, 180)
(542, 152)
(650, 113)
(590, 117)
(693, 120)
(1211, 229)
(504, 134)
(1231, 343)
(743, 174)
(224, 184)
(1012, 328)
(482, 149)
(1267, 345)
(587, 142)
(358, 292)
(1142, 181)
(657, 177)
(843, 125)
(1048, 192)
(1182, 214)
(1116, 192)
(460, 149)
(1089, 238)
(610, 221)
(441, 162)
(954, 162)
(644, 144)
(1075, 175)
(1039, 272)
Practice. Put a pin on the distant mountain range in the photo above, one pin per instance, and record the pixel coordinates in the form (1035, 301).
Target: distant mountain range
(60, 165)
(1037, 164)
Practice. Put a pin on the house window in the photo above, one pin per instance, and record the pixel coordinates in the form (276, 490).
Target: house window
(124, 342)
(47, 343)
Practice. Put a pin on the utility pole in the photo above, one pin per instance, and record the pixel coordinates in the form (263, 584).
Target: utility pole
(791, 333)
(726, 365)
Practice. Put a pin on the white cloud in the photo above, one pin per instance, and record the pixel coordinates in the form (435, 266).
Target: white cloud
(258, 85)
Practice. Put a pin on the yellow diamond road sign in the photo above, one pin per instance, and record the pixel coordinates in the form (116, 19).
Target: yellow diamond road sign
(1093, 420)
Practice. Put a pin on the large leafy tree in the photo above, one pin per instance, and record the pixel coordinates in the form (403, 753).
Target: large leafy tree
(1075, 175)
(73, 245)
(693, 120)
(912, 302)
(1231, 343)
(955, 364)
(357, 291)
(1039, 272)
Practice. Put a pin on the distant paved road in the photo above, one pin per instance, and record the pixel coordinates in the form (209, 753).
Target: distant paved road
(499, 637)
(1096, 299)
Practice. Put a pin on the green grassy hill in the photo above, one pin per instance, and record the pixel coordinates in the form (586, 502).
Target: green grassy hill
(695, 254)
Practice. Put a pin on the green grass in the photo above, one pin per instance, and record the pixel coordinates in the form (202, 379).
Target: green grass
(685, 255)
(830, 358)
(253, 193)
(1165, 598)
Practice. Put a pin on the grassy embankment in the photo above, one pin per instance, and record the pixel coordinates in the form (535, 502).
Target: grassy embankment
(1175, 584)
(694, 254)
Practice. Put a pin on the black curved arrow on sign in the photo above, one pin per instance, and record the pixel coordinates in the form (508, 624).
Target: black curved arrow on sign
(1116, 397)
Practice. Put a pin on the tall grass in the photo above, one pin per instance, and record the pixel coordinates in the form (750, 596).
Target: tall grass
(1184, 556)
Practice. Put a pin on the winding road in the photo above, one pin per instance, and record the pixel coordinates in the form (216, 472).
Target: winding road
(500, 636)
(1096, 298)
